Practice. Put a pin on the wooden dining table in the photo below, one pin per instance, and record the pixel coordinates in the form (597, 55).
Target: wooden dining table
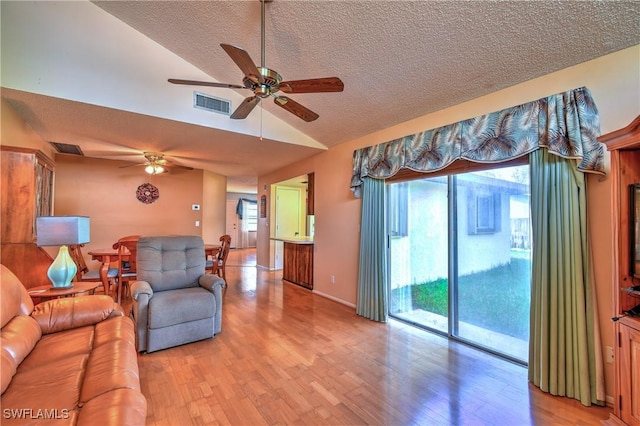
(106, 256)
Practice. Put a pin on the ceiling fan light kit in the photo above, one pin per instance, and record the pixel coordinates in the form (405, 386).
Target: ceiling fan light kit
(265, 82)
(157, 164)
(154, 169)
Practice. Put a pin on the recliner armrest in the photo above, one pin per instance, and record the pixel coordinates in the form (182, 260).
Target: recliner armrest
(140, 287)
(64, 314)
(211, 281)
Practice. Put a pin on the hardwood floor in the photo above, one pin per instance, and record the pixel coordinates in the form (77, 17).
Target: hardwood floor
(286, 356)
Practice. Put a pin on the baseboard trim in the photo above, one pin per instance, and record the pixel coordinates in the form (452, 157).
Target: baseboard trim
(609, 401)
(335, 299)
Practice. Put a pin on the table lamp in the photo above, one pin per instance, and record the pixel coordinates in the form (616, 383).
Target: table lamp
(62, 231)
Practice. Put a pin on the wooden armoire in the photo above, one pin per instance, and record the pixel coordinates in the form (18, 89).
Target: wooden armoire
(624, 145)
(27, 192)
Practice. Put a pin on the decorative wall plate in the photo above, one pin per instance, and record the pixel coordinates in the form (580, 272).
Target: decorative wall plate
(147, 193)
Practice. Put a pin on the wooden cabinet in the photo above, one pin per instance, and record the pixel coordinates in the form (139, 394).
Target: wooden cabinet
(624, 145)
(27, 192)
(630, 367)
(298, 264)
(311, 189)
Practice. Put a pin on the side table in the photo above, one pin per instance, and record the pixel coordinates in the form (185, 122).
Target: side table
(49, 292)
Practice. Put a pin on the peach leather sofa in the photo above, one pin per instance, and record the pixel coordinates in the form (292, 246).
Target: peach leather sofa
(67, 361)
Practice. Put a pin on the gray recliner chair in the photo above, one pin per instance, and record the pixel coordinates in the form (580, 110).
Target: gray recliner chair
(174, 301)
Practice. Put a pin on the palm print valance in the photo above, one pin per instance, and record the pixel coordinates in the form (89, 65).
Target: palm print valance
(567, 124)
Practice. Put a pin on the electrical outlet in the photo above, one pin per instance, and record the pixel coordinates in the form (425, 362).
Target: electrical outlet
(332, 278)
(197, 223)
(610, 355)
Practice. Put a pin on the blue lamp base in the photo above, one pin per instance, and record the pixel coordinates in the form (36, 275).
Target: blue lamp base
(62, 270)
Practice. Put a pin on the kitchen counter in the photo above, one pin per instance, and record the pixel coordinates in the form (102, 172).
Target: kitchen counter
(297, 262)
(294, 240)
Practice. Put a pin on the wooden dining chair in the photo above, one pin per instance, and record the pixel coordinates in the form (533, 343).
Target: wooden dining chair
(218, 264)
(94, 275)
(127, 271)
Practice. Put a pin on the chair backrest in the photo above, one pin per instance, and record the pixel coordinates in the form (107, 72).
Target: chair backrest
(171, 262)
(225, 245)
(127, 247)
(75, 251)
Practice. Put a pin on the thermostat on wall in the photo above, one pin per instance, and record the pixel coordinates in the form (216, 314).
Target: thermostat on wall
(195, 206)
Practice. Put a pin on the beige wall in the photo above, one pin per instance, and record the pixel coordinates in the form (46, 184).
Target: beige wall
(214, 195)
(15, 132)
(614, 83)
(106, 193)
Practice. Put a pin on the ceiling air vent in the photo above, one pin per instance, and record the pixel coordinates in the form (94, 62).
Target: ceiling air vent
(65, 148)
(209, 103)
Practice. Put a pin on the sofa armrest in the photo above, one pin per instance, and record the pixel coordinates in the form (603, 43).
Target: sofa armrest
(64, 314)
(140, 287)
(141, 293)
(214, 284)
(211, 281)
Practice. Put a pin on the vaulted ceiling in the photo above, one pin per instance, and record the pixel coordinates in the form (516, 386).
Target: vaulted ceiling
(95, 74)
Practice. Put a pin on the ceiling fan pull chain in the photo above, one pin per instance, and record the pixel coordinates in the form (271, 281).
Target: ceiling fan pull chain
(262, 61)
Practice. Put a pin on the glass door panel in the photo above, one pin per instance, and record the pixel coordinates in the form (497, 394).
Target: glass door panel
(417, 229)
(492, 279)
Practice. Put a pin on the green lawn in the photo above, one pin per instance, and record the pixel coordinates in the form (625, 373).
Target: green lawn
(497, 299)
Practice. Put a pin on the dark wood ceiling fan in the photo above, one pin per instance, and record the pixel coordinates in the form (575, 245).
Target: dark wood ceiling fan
(265, 82)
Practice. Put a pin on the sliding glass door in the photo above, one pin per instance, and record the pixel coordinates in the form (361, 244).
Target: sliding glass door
(417, 226)
(459, 257)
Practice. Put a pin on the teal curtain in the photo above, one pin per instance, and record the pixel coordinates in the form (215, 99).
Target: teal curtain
(372, 295)
(564, 347)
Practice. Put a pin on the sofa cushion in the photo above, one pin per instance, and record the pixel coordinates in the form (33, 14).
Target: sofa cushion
(132, 409)
(117, 328)
(64, 314)
(8, 368)
(19, 337)
(112, 365)
(54, 347)
(179, 306)
(52, 385)
(10, 296)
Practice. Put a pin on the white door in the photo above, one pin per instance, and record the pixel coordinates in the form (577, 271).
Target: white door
(232, 222)
(288, 212)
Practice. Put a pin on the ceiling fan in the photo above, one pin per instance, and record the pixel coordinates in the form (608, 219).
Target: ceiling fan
(156, 164)
(265, 82)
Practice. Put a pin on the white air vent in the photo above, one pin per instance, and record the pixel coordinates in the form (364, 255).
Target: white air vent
(209, 103)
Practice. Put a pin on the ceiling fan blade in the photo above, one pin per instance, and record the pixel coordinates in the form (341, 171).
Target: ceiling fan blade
(245, 107)
(205, 83)
(314, 85)
(132, 165)
(295, 108)
(172, 165)
(244, 62)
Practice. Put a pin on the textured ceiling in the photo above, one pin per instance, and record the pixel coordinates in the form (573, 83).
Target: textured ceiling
(398, 60)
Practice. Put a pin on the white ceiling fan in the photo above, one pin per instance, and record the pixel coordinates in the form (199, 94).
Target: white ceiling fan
(156, 163)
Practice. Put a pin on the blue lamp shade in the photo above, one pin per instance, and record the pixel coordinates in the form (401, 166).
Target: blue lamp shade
(62, 231)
